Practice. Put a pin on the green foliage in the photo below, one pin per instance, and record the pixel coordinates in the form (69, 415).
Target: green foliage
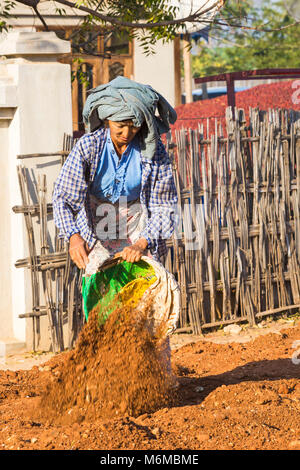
(6, 8)
(79, 73)
(131, 11)
(125, 11)
(237, 49)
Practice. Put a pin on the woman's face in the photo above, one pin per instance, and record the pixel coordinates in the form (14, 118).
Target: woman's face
(122, 132)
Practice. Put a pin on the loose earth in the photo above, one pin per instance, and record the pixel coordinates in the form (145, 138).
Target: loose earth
(230, 396)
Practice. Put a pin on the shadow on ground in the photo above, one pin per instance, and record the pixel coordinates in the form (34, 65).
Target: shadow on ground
(193, 390)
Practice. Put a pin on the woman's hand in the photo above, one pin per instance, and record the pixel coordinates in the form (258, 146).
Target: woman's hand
(134, 252)
(79, 251)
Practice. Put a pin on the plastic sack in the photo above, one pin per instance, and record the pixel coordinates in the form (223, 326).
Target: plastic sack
(116, 284)
(120, 283)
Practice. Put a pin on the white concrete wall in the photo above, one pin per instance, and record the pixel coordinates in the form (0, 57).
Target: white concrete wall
(8, 106)
(37, 121)
(157, 69)
(6, 321)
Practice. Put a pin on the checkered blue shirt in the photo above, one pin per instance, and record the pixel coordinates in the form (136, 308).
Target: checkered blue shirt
(71, 203)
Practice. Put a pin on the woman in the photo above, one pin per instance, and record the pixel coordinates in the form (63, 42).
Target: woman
(116, 193)
(121, 157)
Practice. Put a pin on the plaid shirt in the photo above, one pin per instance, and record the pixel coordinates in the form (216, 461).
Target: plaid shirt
(71, 202)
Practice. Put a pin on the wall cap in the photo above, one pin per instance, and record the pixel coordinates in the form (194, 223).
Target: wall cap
(25, 43)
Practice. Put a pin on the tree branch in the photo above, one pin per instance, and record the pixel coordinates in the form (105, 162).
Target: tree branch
(41, 18)
(113, 20)
(30, 3)
(192, 18)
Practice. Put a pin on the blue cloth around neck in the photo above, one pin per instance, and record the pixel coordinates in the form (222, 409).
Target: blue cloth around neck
(116, 176)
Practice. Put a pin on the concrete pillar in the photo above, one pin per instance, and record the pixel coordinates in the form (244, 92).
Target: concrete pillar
(187, 64)
(35, 112)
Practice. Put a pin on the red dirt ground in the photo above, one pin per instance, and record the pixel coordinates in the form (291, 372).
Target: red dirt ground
(232, 396)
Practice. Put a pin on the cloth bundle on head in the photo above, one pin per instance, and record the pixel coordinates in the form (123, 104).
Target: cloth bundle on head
(123, 99)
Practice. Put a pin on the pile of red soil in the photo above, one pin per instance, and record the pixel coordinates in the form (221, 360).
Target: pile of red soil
(284, 95)
(115, 369)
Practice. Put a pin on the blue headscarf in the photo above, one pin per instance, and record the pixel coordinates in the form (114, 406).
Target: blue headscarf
(123, 99)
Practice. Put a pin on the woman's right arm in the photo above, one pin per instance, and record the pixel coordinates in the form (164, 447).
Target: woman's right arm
(68, 199)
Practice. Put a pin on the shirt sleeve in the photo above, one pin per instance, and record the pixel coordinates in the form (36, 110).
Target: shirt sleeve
(70, 190)
(160, 200)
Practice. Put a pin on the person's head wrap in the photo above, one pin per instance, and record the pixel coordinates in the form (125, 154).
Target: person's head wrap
(123, 99)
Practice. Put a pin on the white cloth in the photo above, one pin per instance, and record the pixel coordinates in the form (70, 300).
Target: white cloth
(110, 219)
(165, 295)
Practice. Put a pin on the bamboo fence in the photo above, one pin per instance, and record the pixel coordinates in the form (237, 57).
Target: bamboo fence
(55, 280)
(236, 250)
(237, 256)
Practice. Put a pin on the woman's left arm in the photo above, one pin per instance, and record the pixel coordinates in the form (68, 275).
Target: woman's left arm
(159, 198)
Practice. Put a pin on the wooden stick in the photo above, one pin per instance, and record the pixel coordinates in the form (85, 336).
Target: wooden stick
(32, 256)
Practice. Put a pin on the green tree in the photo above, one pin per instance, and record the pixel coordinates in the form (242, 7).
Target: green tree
(276, 45)
(6, 8)
(145, 20)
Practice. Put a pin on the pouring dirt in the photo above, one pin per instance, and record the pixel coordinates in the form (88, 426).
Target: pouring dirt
(115, 369)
